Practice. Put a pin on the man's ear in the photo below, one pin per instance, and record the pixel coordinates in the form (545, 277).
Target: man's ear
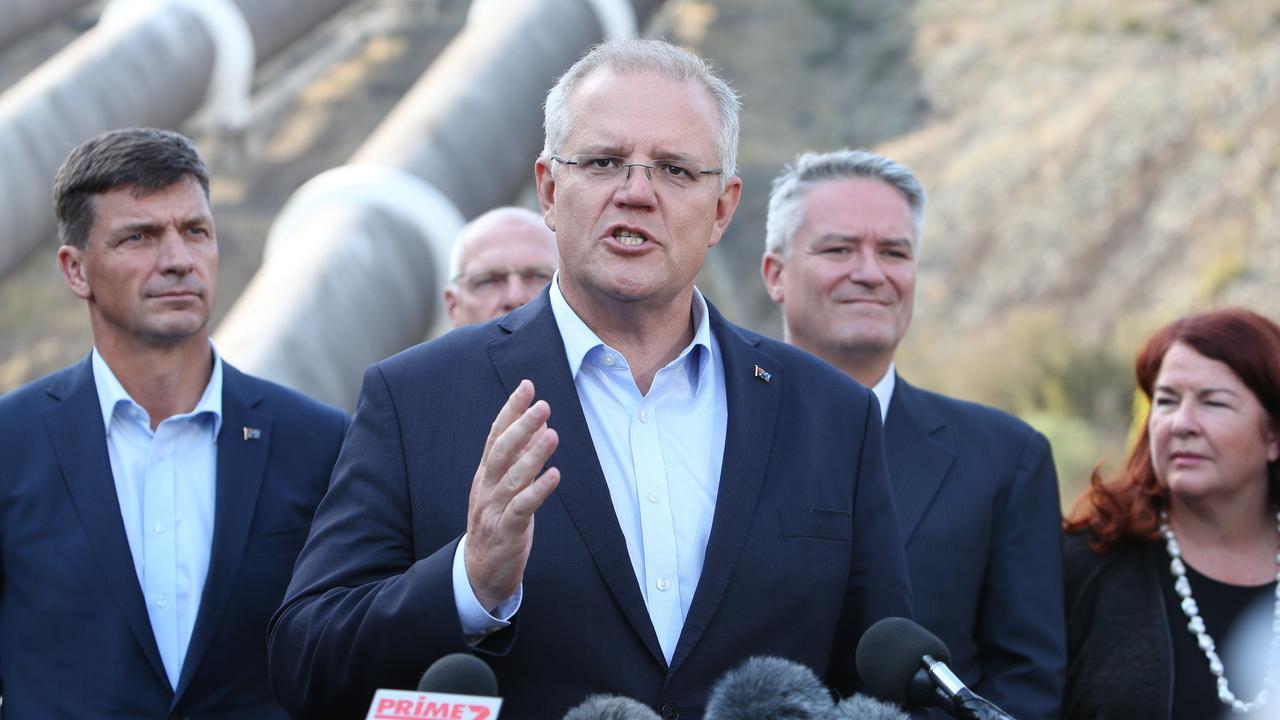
(771, 269)
(451, 302)
(726, 204)
(546, 191)
(71, 263)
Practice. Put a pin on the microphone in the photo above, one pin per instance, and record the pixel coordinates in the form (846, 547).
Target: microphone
(459, 674)
(902, 662)
(767, 688)
(862, 707)
(611, 707)
(455, 686)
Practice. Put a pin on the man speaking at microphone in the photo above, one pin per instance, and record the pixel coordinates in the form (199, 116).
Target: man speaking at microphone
(661, 495)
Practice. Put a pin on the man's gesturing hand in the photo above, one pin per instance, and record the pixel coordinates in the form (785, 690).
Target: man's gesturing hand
(504, 495)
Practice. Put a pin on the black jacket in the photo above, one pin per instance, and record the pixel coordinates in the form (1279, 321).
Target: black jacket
(1119, 651)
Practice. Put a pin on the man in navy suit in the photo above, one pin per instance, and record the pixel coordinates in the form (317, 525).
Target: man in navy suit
(975, 489)
(153, 498)
(708, 494)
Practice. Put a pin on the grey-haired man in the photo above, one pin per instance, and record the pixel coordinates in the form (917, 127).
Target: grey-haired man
(975, 489)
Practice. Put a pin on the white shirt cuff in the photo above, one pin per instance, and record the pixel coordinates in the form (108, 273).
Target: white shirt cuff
(476, 620)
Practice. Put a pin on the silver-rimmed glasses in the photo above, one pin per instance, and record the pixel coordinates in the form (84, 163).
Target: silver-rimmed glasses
(602, 169)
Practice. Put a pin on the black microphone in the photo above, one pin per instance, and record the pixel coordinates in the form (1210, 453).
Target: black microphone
(862, 707)
(901, 662)
(769, 688)
(611, 707)
(459, 674)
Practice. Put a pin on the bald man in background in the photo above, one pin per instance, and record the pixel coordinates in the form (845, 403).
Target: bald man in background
(500, 261)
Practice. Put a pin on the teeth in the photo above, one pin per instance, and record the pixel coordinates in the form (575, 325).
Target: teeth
(626, 237)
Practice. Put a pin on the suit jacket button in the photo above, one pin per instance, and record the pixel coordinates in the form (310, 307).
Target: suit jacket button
(670, 711)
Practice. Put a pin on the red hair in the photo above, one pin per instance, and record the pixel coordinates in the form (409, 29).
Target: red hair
(1130, 504)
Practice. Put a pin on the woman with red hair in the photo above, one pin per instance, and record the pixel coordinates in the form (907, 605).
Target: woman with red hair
(1161, 560)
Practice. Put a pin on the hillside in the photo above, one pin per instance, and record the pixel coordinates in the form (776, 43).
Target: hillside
(1094, 169)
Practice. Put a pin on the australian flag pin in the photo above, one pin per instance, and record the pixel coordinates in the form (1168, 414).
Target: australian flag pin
(252, 434)
(762, 374)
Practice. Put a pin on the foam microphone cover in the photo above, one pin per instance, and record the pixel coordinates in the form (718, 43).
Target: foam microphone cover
(611, 707)
(862, 707)
(890, 653)
(769, 688)
(459, 674)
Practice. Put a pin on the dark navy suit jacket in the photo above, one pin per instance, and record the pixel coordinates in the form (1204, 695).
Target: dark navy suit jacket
(977, 500)
(75, 639)
(803, 553)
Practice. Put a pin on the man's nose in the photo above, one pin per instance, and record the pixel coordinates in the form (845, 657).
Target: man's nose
(637, 186)
(519, 291)
(865, 268)
(175, 256)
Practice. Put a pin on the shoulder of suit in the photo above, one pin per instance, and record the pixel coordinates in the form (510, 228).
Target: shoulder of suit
(457, 345)
(278, 398)
(807, 373)
(38, 391)
(981, 418)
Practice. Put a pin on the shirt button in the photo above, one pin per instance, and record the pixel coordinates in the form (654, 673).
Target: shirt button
(608, 360)
(644, 416)
(653, 497)
(159, 527)
(663, 584)
(161, 601)
(670, 711)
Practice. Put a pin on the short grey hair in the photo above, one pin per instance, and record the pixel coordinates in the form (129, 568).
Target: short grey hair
(787, 197)
(482, 223)
(640, 55)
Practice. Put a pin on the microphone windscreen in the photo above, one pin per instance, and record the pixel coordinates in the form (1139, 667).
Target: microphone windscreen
(862, 707)
(890, 653)
(459, 674)
(769, 688)
(611, 707)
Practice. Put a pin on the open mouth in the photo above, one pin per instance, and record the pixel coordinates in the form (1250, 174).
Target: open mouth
(629, 238)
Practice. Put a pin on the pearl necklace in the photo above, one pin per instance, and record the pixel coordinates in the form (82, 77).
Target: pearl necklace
(1196, 625)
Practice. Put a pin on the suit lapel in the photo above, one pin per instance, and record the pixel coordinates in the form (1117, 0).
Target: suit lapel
(918, 456)
(532, 349)
(242, 462)
(752, 413)
(79, 441)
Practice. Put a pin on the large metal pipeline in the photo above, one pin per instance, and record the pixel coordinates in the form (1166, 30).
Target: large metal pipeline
(151, 68)
(21, 17)
(358, 258)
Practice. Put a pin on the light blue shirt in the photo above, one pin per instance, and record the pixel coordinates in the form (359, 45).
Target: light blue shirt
(165, 483)
(661, 455)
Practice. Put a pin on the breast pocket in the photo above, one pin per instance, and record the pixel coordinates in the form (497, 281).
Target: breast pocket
(815, 524)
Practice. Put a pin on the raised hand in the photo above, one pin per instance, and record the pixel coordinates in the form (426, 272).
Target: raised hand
(505, 493)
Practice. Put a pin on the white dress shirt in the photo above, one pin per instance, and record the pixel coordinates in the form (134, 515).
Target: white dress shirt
(165, 482)
(661, 454)
(883, 390)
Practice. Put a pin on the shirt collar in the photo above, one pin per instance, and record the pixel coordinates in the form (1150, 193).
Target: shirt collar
(884, 390)
(111, 393)
(580, 339)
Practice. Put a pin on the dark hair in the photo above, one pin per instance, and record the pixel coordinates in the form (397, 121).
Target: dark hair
(1129, 505)
(146, 158)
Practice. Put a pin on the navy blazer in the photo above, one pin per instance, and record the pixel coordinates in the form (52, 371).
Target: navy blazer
(977, 500)
(803, 553)
(75, 639)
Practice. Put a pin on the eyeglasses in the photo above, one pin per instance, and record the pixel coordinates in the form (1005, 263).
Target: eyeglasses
(495, 282)
(604, 169)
